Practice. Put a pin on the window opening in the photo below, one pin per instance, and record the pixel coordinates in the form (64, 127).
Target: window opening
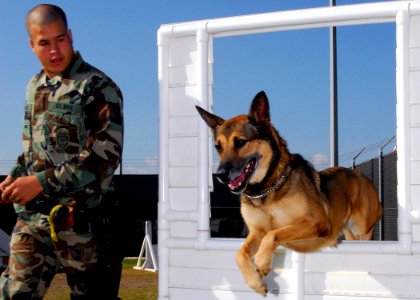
(292, 67)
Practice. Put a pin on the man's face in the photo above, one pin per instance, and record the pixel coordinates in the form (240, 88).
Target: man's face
(53, 45)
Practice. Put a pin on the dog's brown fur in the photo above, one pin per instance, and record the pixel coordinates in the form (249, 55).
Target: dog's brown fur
(305, 211)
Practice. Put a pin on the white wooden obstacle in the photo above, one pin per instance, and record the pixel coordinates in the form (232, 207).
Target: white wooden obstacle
(146, 260)
(194, 266)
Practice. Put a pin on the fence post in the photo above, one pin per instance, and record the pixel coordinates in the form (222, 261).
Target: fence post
(356, 156)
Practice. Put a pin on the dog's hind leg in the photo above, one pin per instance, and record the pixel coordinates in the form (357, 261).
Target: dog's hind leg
(367, 210)
(348, 234)
(244, 261)
(367, 236)
(352, 234)
(359, 226)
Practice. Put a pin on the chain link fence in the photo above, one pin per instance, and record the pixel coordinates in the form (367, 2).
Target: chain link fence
(382, 171)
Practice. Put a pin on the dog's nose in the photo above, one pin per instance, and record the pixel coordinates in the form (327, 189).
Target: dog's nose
(222, 175)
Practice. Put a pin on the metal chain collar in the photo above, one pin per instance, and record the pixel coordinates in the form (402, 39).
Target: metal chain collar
(276, 185)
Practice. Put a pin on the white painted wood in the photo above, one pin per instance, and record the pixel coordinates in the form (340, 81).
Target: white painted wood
(183, 229)
(183, 176)
(414, 80)
(192, 266)
(414, 59)
(182, 101)
(415, 170)
(185, 199)
(415, 115)
(183, 51)
(180, 155)
(414, 34)
(184, 126)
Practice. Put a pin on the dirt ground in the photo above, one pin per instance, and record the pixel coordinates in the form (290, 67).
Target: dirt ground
(135, 285)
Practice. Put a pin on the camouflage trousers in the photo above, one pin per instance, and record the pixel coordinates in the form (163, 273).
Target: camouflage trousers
(35, 259)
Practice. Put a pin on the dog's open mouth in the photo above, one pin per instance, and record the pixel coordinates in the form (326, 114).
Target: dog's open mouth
(239, 183)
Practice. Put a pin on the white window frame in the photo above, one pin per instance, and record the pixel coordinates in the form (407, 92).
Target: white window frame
(397, 12)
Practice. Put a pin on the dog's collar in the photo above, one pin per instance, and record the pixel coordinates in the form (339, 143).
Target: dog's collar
(275, 186)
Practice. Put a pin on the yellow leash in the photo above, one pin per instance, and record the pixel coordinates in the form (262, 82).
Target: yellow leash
(53, 233)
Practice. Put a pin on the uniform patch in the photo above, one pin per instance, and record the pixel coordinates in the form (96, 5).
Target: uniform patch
(62, 138)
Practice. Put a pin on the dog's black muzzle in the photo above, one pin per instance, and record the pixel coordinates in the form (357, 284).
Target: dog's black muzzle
(226, 172)
(236, 174)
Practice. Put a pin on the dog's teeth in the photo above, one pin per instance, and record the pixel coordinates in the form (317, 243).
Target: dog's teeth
(239, 181)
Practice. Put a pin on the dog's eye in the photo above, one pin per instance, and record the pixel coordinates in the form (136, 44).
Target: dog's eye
(239, 143)
(218, 148)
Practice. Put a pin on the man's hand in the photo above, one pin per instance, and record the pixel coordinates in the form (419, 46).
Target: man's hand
(20, 190)
(3, 185)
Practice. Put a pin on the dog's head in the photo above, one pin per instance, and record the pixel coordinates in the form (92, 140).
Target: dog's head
(247, 145)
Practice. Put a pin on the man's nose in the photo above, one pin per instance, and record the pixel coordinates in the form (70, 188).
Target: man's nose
(54, 48)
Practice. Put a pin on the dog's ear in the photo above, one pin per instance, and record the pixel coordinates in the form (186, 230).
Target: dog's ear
(211, 120)
(260, 110)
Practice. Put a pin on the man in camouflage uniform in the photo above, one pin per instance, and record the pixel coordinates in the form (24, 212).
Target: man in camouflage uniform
(72, 144)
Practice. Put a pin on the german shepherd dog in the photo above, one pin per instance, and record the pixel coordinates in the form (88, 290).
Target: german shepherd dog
(284, 200)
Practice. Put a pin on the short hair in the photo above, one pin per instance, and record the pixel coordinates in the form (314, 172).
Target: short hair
(43, 14)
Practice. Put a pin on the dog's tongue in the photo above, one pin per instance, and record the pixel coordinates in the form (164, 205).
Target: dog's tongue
(237, 182)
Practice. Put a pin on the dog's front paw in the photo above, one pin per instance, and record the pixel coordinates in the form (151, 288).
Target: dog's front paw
(254, 280)
(258, 285)
(262, 264)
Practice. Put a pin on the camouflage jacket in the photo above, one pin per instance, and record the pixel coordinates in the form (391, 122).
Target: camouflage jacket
(73, 134)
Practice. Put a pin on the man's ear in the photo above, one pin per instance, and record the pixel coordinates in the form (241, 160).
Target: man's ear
(70, 35)
(260, 109)
(31, 44)
(211, 120)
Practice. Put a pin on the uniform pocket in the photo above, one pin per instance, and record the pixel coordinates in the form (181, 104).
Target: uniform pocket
(64, 133)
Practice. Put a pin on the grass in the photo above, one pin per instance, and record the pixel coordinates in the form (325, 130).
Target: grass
(135, 284)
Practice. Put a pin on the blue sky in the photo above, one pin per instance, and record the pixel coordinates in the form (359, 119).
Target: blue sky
(119, 37)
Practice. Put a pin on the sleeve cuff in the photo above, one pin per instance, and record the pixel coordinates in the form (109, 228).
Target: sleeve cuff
(43, 181)
(16, 171)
